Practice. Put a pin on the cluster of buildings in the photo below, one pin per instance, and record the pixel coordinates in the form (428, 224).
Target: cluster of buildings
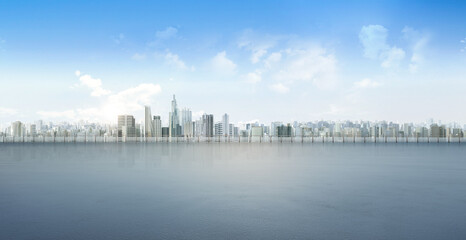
(179, 125)
(183, 125)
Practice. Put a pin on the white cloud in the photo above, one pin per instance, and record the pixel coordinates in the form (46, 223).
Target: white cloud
(279, 88)
(272, 59)
(392, 57)
(256, 44)
(296, 60)
(418, 41)
(175, 61)
(355, 94)
(311, 64)
(8, 111)
(77, 73)
(257, 55)
(128, 101)
(374, 40)
(254, 77)
(95, 84)
(138, 57)
(168, 33)
(222, 64)
(367, 83)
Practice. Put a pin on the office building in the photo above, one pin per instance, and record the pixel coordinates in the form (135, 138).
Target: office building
(126, 126)
(148, 126)
(186, 122)
(17, 129)
(157, 126)
(174, 120)
(225, 125)
(207, 125)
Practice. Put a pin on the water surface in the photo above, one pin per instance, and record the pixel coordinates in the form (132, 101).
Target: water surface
(236, 191)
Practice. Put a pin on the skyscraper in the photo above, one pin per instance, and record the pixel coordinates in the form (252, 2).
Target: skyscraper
(174, 120)
(186, 122)
(126, 126)
(226, 124)
(208, 125)
(148, 126)
(157, 126)
(219, 129)
(17, 129)
(273, 128)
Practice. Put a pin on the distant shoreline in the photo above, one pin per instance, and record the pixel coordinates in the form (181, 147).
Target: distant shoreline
(221, 139)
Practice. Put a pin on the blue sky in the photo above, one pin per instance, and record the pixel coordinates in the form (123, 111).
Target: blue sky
(256, 60)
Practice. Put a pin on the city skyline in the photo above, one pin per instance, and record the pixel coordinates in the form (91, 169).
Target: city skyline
(152, 127)
(295, 61)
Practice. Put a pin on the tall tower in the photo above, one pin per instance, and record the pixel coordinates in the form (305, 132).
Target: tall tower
(148, 127)
(157, 126)
(208, 125)
(174, 120)
(226, 124)
(186, 122)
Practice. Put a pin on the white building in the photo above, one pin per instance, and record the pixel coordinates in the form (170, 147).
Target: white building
(219, 129)
(157, 126)
(257, 131)
(186, 122)
(148, 126)
(17, 129)
(226, 125)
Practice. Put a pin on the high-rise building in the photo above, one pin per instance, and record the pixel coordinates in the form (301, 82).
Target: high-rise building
(285, 131)
(186, 122)
(437, 131)
(17, 129)
(126, 126)
(208, 125)
(157, 126)
(219, 129)
(165, 132)
(226, 125)
(257, 131)
(231, 130)
(198, 127)
(39, 125)
(31, 130)
(235, 131)
(148, 126)
(337, 130)
(174, 120)
(273, 128)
